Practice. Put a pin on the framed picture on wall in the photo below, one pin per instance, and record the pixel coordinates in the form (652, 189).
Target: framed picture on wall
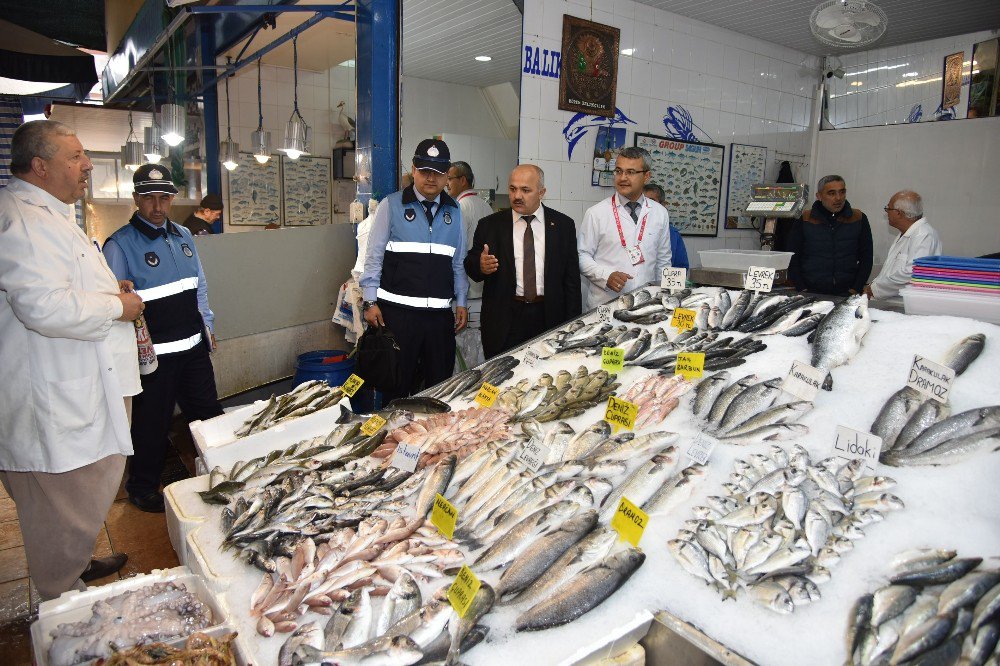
(983, 80)
(746, 168)
(588, 77)
(305, 186)
(951, 85)
(254, 192)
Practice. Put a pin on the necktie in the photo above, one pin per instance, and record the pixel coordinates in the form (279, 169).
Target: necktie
(530, 288)
(429, 207)
(633, 210)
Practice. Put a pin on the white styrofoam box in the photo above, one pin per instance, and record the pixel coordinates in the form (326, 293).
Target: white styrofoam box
(185, 511)
(926, 301)
(616, 640)
(75, 606)
(744, 259)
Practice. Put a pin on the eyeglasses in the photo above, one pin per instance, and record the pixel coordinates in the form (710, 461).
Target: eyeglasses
(887, 209)
(631, 173)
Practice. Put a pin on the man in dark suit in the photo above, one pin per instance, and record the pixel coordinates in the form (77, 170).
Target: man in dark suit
(527, 260)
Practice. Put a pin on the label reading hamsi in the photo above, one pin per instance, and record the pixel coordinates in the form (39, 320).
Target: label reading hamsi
(444, 516)
(673, 278)
(612, 359)
(372, 425)
(352, 385)
(463, 591)
(629, 521)
(683, 319)
(851, 444)
(690, 364)
(930, 378)
(533, 454)
(759, 278)
(803, 381)
(405, 457)
(487, 394)
(621, 413)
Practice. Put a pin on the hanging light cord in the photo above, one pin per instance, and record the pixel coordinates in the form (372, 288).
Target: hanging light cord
(260, 108)
(131, 131)
(295, 77)
(229, 124)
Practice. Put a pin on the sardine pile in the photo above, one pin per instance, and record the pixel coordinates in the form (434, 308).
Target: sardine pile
(157, 612)
(656, 396)
(744, 412)
(561, 397)
(937, 609)
(306, 398)
(781, 524)
(466, 384)
(451, 432)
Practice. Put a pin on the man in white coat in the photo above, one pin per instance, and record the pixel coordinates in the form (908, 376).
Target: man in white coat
(917, 238)
(623, 241)
(67, 358)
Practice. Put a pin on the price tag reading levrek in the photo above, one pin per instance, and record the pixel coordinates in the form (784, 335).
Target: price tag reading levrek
(405, 457)
(533, 454)
(852, 444)
(612, 359)
(930, 378)
(690, 364)
(444, 516)
(803, 381)
(487, 394)
(759, 279)
(352, 385)
(629, 521)
(683, 319)
(372, 425)
(673, 278)
(621, 413)
(463, 591)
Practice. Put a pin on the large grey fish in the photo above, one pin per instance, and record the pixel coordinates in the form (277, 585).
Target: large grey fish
(964, 352)
(585, 441)
(736, 310)
(727, 396)
(967, 591)
(397, 650)
(674, 490)
(359, 628)
(583, 592)
(783, 413)
(938, 574)
(959, 425)
(459, 627)
(641, 484)
(422, 625)
(515, 541)
(403, 598)
(306, 635)
(805, 325)
(707, 390)
(837, 338)
(894, 414)
(772, 433)
(923, 638)
(950, 451)
(437, 482)
(333, 634)
(923, 418)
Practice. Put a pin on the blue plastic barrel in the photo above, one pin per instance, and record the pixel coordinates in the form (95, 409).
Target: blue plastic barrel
(330, 365)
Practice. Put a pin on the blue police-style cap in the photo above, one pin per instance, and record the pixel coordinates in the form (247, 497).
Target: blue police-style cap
(153, 179)
(432, 154)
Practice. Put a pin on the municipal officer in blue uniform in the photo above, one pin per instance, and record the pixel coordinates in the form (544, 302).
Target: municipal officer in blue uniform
(160, 258)
(414, 272)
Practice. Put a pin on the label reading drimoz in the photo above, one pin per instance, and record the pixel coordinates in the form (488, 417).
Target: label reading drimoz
(612, 359)
(405, 457)
(759, 279)
(487, 394)
(352, 385)
(852, 444)
(463, 591)
(683, 319)
(621, 413)
(533, 454)
(673, 278)
(930, 378)
(373, 425)
(690, 364)
(444, 516)
(803, 381)
(629, 521)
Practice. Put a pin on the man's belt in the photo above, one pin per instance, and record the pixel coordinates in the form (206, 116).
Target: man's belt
(536, 299)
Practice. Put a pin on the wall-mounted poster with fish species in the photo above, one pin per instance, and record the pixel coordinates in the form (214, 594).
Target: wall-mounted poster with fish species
(691, 176)
(306, 185)
(254, 192)
(746, 167)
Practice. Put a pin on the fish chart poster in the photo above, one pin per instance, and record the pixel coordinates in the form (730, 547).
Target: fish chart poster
(691, 176)
(254, 192)
(746, 168)
(306, 183)
(588, 78)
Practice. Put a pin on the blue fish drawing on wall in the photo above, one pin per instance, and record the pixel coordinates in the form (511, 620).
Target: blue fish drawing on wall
(581, 123)
(915, 114)
(944, 114)
(680, 125)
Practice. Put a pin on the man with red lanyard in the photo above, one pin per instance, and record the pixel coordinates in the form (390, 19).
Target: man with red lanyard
(623, 241)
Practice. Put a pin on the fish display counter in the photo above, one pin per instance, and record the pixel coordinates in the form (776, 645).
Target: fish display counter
(823, 451)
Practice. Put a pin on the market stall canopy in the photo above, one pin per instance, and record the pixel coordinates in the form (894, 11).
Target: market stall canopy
(31, 63)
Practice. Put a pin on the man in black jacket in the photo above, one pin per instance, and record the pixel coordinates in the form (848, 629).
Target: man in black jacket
(527, 260)
(832, 244)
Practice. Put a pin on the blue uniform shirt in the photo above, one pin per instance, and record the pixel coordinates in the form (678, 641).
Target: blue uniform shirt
(678, 253)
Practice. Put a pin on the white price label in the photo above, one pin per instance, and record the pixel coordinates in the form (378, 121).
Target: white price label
(803, 381)
(673, 278)
(531, 358)
(930, 378)
(759, 279)
(700, 449)
(533, 454)
(604, 312)
(406, 456)
(851, 444)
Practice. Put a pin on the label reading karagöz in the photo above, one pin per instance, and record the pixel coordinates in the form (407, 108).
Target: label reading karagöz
(759, 278)
(629, 521)
(851, 444)
(463, 591)
(533, 454)
(683, 319)
(612, 359)
(803, 381)
(444, 516)
(621, 413)
(673, 279)
(352, 385)
(700, 448)
(930, 378)
(487, 394)
(405, 457)
(372, 425)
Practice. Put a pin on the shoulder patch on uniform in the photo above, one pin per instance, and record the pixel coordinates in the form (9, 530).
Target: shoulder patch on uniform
(152, 259)
(186, 249)
(410, 214)
(447, 217)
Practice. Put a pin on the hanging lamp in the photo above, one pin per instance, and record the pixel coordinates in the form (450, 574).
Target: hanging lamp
(132, 150)
(296, 131)
(260, 140)
(153, 147)
(173, 117)
(229, 150)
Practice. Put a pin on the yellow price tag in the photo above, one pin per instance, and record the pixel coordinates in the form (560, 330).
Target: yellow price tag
(373, 425)
(612, 359)
(621, 413)
(463, 591)
(352, 385)
(487, 395)
(690, 364)
(683, 319)
(629, 521)
(444, 516)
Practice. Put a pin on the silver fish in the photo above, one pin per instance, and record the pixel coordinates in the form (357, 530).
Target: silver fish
(306, 635)
(403, 598)
(926, 415)
(890, 601)
(837, 338)
(514, 542)
(923, 637)
(392, 651)
(459, 627)
(782, 413)
(961, 355)
(585, 441)
(727, 396)
(641, 484)
(359, 628)
(707, 390)
(771, 433)
(967, 591)
(894, 414)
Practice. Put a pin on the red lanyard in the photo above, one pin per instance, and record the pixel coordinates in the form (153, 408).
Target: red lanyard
(470, 193)
(621, 234)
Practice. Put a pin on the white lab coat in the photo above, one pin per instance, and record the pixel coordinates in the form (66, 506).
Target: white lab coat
(920, 240)
(601, 252)
(473, 209)
(62, 353)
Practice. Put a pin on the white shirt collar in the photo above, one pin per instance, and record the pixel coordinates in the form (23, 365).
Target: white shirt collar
(909, 232)
(539, 214)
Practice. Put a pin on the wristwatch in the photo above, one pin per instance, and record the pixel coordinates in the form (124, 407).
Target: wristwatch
(367, 304)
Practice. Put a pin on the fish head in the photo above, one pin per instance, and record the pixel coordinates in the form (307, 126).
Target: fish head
(794, 476)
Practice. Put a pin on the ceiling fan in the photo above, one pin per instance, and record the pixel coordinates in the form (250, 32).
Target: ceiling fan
(847, 23)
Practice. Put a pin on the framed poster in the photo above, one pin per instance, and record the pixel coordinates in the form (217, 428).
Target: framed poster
(746, 168)
(691, 176)
(254, 192)
(305, 184)
(588, 78)
(951, 86)
(610, 140)
(983, 81)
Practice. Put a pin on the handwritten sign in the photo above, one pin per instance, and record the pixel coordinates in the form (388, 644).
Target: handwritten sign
(444, 516)
(372, 425)
(405, 457)
(803, 381)
(673, 278)
(700, 449)
(851, 444)
(683, 319)
(604, 312)
(533, 454)
(690, 364)
(487, 394)
(612, 359)
(931, 379)
(621, 413)
(531, 358)
(629, 521)
(352, 385)
(463, 591)
(759, 278)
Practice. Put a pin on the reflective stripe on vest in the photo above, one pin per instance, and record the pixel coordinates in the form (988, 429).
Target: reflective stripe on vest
(177, 345)
(414, 301)
(421, 248)
(169, 289)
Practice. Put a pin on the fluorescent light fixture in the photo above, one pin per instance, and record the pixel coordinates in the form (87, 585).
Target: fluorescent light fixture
(629, 52)
(483, 58)
(857, 83)
(172, 120)
(876, 69)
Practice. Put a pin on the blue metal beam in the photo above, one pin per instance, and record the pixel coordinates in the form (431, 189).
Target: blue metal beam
(210, 101)
(377, 71)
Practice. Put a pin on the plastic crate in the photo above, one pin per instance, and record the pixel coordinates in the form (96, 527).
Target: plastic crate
(927, 301)
(741, 260)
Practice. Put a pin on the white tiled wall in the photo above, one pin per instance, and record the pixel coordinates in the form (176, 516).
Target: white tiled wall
(884, 86)
(737, 90)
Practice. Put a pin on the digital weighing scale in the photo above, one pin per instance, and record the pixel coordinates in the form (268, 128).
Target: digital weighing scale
(774, 200)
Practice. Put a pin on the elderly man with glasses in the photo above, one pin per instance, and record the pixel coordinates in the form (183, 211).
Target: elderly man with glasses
(623, 241)
(917, 238)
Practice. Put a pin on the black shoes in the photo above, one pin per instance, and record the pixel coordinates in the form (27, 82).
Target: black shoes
(150, 502)
(104, 566)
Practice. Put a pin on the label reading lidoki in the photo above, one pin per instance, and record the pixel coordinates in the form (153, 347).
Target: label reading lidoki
(803, 381)
(463, 590)
(851, 444)
(700, 449)
(444, 516)
(629, 521)
(352, 385)
(673, 278)
(372, 425)
(759, 279)
(405, 457)
(621, 413)
(683, 319)
(533, 454)
(612, 359)
(930, 378)
(690, 364)
(487, 394)
(531, 358)
(604, 312)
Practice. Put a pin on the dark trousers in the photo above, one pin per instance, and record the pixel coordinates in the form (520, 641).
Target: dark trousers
(426, 341)
(527, 320)
(185, 379)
